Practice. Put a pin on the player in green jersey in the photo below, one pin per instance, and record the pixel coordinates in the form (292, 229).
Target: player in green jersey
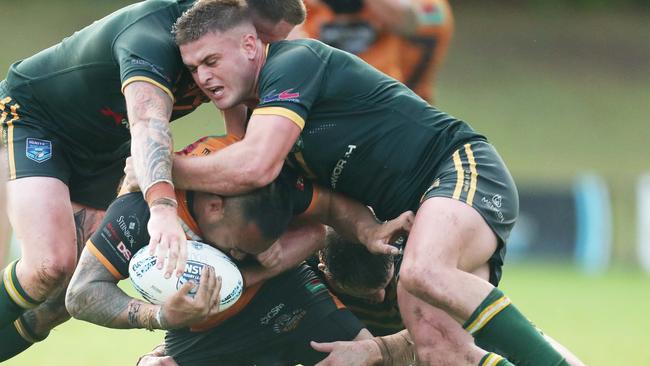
(70, 116)
(363, 134)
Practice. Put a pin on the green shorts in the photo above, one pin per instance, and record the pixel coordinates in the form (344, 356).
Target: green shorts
(34, 150)
(476, 175)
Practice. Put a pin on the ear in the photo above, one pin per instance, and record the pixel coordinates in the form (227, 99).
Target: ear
(249, 45)
(321, 267)
(215, 208)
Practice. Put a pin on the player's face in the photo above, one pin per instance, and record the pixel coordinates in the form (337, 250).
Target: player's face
(269, 31)
(221, 67)
(371, 295)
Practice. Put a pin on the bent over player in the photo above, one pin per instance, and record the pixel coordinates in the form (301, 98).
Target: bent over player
(289, 310)
(361, 133)
(71, 114)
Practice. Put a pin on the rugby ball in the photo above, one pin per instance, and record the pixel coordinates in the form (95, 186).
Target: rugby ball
(151, 283)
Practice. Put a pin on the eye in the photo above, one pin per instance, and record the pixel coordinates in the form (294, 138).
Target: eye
(211, 62)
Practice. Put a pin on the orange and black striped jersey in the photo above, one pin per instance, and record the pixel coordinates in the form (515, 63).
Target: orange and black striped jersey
(124, 229)
(76, 86)
(412, 59)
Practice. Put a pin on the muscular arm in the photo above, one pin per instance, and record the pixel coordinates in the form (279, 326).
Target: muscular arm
(93, 296)
(149, 109)
(243, 166)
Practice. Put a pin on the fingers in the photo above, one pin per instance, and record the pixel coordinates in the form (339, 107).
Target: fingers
(216, 297)
(182, 258)
(322, 347)
(206, 285)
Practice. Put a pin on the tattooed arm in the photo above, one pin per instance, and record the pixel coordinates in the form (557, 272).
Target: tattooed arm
(149, 108)
(93, 296)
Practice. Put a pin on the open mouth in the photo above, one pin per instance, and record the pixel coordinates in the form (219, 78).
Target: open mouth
(216, 91)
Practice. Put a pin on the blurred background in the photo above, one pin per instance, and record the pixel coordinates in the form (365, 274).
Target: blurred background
(562, 89)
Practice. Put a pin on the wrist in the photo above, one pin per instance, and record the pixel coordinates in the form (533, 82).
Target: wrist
(161, 322)
(160, 192)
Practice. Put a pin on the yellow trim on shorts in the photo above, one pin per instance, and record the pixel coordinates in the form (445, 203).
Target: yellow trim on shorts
(150, 81)
(22, 330)
(473, 174)
(459, 174)
(492, 360)
(284, 112)
(12, 290)
(487, 314)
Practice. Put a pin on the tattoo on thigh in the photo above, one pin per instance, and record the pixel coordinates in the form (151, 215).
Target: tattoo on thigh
(86, 221)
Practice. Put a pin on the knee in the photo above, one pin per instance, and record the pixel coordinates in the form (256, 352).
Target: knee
(48, 276)
(425, 283)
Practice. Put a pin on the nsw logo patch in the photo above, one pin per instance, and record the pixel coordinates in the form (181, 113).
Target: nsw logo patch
(38, 150)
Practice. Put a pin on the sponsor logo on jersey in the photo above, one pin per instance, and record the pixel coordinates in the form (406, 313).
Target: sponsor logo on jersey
(340, 166)
(314, 286)
(494, 204)
(284, 96)
(288, 322)
(118, 118)
(431, 14)
(271, 314)
(38, 150)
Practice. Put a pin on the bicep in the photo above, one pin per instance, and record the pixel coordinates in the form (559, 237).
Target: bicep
(272, 136)
(90, 269)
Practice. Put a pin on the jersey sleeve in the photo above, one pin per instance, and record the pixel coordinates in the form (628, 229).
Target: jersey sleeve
(146, 52)
(290, 82)
(121, 234)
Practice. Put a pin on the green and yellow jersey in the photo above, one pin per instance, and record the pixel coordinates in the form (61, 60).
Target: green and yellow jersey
(363, 133)
(75, 87)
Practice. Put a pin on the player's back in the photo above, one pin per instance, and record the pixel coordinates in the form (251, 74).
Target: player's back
(76, 84)
(383, 141)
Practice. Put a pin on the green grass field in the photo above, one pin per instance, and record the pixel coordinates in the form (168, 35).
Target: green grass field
(558, 93)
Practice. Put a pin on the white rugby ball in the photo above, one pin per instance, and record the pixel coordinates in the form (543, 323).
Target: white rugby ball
(151, 283)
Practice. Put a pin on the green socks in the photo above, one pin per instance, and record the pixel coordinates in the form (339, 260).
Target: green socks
(492, 359)
(16, 337)
(13, 299)
(498, 326)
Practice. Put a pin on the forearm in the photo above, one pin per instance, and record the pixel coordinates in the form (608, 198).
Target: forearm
(351, 219)
(230, 171)
(149, 109)
(296, 245)
(105, 304)
(396, 349)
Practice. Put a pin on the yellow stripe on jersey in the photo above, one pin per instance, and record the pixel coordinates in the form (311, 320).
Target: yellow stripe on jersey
(487, 314)
(473, 173)
(284, 112)
(459, 174)
(11, 288)
(150, 81)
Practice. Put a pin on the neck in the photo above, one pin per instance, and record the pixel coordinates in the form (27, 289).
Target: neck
(260, 60)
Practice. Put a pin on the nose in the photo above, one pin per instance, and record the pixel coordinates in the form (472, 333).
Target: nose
(203, 74)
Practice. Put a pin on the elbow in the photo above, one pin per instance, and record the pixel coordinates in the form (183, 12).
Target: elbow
(72, 298)
(260, 173)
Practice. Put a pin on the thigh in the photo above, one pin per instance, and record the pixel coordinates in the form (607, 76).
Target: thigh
(41, 215)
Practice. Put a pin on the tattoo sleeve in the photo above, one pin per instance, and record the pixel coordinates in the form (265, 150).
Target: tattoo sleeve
(93, 296)
(149, 110)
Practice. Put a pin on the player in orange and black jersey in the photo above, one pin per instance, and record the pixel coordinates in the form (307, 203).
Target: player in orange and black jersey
(271, 324)
(70, 115)
(407, 40)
